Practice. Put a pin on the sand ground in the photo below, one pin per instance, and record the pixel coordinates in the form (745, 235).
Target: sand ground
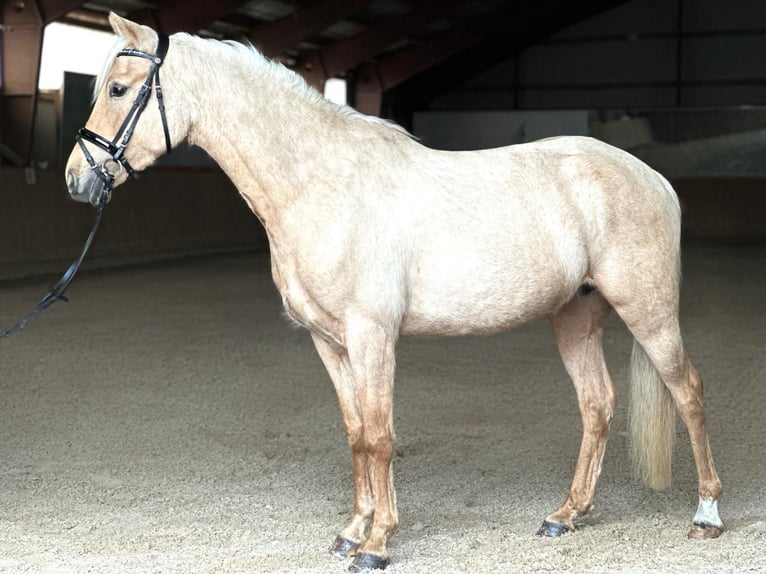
(169, 420)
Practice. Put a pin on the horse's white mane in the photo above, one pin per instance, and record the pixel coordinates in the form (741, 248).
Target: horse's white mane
(278, 72)
(251, 56)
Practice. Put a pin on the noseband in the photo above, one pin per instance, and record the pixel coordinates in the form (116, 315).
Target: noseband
(112, 147)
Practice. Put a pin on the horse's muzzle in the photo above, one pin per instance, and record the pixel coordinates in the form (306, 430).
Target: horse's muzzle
(87, 188)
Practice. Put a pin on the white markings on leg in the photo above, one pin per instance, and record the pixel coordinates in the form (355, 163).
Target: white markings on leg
(707, 513)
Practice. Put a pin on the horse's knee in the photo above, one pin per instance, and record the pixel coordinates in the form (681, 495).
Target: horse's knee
(379, 445)
(355, 437)
(378, 440)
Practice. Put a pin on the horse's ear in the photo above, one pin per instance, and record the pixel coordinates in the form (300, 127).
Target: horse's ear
(135, 34)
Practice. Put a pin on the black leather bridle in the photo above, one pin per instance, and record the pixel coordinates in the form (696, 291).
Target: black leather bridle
(116, 146)
(117, 155)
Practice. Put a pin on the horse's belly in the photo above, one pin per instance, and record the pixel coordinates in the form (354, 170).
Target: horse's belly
(486, 304)
(460, 324)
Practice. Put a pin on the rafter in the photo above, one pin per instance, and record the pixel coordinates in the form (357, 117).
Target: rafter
(411, 61)
(344, 55)
(51, 10)
(540, 20)
(185, 15)
(276, 37)
(372, 79)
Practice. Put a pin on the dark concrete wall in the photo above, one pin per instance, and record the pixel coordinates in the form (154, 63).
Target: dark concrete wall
(165, 213)
(731, 209)
(172, 212)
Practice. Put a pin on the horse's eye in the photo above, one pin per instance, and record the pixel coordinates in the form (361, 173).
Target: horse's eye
(117, 90)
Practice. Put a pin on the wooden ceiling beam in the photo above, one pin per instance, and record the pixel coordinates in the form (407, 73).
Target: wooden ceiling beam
(185, 15)
(372, 79)
(51, 10)
(411, 61)
(343, 55)
(534, 21)
(274, 38)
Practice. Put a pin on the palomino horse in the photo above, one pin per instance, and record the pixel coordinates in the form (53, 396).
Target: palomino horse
(373, 236)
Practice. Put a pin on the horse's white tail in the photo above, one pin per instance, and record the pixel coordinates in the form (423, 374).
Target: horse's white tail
(652, 421)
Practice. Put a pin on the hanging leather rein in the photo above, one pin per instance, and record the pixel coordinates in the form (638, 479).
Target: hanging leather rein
(117, 155)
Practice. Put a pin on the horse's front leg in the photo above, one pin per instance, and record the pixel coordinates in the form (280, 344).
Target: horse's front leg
(371, 349)
(337, 364)
(578, 329)
(364, 379)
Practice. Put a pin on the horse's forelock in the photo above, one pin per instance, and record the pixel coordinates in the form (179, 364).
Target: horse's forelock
(119, 44)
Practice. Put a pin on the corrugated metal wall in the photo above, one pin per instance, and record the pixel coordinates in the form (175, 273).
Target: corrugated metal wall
(635, 56)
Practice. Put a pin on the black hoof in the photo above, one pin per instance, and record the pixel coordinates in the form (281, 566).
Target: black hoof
(552, 529)
(343, 547)
(364, 561)
(704, 531)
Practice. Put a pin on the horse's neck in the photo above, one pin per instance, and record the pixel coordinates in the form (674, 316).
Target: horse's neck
(269, 136)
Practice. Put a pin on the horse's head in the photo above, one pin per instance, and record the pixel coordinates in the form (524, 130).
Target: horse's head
(114, 144)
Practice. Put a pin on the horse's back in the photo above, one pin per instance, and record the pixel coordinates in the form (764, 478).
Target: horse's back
(519, 229)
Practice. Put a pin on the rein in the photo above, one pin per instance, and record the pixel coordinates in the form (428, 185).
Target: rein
(57, 291)
(117, 155)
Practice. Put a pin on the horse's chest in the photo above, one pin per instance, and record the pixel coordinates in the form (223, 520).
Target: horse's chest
(303, 308)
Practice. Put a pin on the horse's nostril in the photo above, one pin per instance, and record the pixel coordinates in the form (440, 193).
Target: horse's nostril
(71, 183)
(77, 187)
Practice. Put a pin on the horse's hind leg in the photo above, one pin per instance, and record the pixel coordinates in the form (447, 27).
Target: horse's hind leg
(579, 326)
(665, 349)
(646, 298)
